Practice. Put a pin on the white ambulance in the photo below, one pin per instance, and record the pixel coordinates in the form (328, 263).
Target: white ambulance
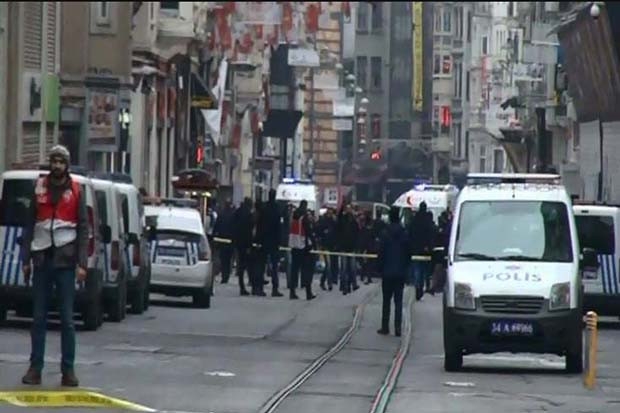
(598, 228)
(294, 191)
(514, 270)
(438, 198)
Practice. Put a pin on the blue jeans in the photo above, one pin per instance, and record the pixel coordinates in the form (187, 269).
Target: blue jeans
(272, 256)
(418, 276)
(43, 283)
(347, 274)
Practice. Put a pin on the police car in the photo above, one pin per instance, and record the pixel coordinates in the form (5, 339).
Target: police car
(180, 254)
(514, 270)
(598, 226)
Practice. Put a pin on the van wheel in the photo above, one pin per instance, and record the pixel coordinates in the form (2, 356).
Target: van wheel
(202, 299)
(119, 305)
(3, 313)
(574, 357)
(453, 360)
(137, 300)
(92, 315)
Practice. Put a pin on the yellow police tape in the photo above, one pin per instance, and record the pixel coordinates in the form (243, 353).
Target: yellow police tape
(323, 252)
(78, 398)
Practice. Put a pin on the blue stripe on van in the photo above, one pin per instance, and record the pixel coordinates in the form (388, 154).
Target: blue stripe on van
(4, 275)
(614, 274)
(10, 252)
(18, 254)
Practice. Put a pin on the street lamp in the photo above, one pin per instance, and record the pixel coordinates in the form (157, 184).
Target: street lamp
(364, 101)
(595, 11)
(339, 66)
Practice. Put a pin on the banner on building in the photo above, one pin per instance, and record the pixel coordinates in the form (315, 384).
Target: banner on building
(102, 120)
(418, 56)
(32, 91)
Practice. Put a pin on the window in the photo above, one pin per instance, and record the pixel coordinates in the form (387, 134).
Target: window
(446, 120)
(362, 72)
(447, 21)
(596, 232)
(102, 207)
(125, 211)
(446, 67)
(483, 159)
(467, 145)
(438, 13)
(375, 73)
(467, 86)
(376, 126)
(456, 148)
(498, 161)
(511, 9)
(469, 25)
(103, 12)
(485, 45)
(514, 230)
(15, 206)
(362, 16)
(437, 65)
(459, 22)
(458, 79)
(377, 15)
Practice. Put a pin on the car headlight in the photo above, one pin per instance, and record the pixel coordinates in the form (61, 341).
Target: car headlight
(559, 299)
(464, 297)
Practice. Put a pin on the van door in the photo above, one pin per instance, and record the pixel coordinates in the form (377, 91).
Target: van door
(598, 232)
(15, 212)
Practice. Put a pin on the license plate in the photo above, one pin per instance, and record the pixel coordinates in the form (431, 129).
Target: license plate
(170, 262)
(590, 275)
(512, 328)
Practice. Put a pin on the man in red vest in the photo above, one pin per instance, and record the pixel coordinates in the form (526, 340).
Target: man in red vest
(56, 242)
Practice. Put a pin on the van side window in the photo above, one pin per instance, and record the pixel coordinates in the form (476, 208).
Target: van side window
(102, 207)
(596, 232)
(16, 199)
(125, 211)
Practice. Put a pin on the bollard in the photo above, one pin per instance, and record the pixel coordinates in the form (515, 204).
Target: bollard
(589, 379)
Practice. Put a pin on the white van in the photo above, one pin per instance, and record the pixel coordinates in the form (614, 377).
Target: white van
(294, 191)
(116, 269)
(136, 247)
(438, 198)
(598, 227)
(514, 271)
(17, 187)
(180, 254)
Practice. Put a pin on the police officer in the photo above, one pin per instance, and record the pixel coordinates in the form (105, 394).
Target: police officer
(55, 240)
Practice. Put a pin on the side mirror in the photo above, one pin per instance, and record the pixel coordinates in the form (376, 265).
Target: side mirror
(589, 259)
(106, 234)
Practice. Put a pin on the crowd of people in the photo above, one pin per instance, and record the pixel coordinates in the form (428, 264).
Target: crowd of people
(343, 236)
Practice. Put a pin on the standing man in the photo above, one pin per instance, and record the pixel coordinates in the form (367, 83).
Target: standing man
(301, 243)
(393, 262)
(272, 223)
(55, 240)
(242, 241)
(224, 228)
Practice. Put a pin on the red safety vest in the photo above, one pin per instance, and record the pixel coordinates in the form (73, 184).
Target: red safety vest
(57, 224)
(297, 234)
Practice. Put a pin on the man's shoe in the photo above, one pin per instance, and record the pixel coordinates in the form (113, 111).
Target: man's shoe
(69, 379)
(397, 333)
(276, 293)
(383, 332)
(32, 377)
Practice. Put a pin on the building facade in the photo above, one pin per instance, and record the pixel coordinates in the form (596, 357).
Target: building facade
(95, 67)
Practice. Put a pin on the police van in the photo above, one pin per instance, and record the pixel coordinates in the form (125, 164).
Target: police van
(514, 270)
(16, 189)
(598, 228)
(180, 254)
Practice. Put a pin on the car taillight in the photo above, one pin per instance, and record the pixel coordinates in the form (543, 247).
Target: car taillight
(203, 250)
(136, 255)
(115, 255)
(91, 231)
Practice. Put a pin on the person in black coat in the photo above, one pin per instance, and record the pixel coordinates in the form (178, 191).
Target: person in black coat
(271, 221)
(393, 262)
(224, 228)
(242, 240)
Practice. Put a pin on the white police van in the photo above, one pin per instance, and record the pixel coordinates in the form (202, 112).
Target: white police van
(181, 262)
(514, 270)
(16, 189)
(598, 226)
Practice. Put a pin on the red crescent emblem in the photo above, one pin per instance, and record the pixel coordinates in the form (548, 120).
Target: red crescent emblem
(410, 200)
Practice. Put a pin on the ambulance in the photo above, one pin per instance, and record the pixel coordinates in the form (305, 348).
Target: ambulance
(438, 198)
(514, 270)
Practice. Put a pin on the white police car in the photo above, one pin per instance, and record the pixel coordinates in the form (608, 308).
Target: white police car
(181, 262)
(514, 270)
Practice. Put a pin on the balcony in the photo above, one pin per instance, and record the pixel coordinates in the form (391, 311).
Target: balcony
(177, 21)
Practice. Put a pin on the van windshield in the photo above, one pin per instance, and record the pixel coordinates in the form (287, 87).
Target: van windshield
(16, 200)
(514, 231)
(596, 233)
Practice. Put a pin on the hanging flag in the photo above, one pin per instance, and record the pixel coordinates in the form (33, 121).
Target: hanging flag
(229, 7)
(346, 10)
(259, 31)
(312, 18)
(223, 30)
(287, 17)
